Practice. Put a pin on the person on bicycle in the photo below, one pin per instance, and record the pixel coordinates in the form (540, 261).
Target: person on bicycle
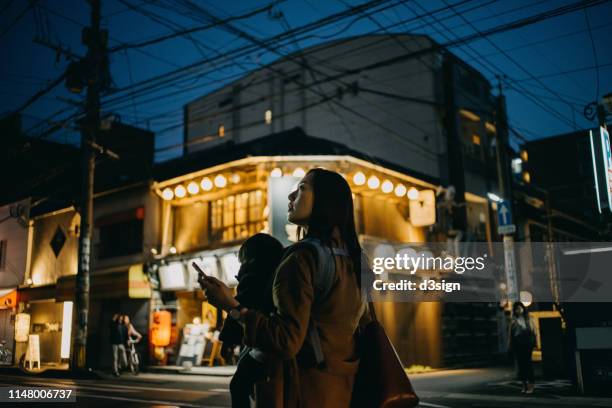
(131, 331)
(133, 360)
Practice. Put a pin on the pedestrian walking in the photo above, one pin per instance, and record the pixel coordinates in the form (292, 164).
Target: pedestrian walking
(118, 338)
(305, 325)
(522, 341)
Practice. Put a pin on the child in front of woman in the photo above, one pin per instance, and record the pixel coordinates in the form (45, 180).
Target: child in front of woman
(259, 256)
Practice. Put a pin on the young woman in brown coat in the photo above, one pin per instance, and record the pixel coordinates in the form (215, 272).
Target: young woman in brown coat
(322, 207)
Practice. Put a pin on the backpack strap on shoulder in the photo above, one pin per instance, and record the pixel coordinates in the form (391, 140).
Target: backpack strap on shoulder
(323, 280)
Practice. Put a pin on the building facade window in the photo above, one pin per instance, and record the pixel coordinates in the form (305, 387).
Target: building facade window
(121, 234)
(237, 216)
(221, 130)
(268, 117)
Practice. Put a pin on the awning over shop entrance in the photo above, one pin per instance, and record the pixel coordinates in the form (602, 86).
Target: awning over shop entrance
(129, 283)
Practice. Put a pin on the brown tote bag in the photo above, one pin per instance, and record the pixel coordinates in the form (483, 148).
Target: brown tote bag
(381, 381)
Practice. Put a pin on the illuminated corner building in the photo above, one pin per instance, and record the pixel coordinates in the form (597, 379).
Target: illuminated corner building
(209, 226)
(44, 250)
(393, 99)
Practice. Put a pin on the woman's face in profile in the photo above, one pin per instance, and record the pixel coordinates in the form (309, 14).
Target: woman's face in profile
(301, 201)
(518, 310)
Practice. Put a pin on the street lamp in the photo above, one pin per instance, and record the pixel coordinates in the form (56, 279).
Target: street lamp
(599, 110)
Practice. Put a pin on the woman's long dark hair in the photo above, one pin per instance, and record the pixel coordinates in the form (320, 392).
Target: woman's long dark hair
(333, 207)
(515, 305)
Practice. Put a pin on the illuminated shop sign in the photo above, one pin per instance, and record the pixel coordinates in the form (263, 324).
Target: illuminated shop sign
(601, 155)
(423, 209)
(172, 276)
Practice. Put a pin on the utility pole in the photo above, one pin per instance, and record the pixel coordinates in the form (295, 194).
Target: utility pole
(505, 186)
(94, 62)
(455, 152)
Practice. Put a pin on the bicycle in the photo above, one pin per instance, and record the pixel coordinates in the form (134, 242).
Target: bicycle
(133, 357)
(6, 356)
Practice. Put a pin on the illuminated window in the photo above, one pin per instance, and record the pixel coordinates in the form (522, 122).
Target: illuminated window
(221, 130)
(120, 233)
(238, 216)
(268, 117)
(476, 139)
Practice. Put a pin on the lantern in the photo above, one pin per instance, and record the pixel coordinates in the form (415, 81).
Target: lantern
(22, 327)
(161, 328)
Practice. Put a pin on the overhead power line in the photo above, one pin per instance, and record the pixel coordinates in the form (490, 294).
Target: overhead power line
(586, 17)
(40, 93)
(155, 83)
(193, 30)
(31, 4)
(544, 106)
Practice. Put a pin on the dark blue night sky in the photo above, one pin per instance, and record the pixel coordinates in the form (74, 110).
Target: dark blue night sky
(558, 52)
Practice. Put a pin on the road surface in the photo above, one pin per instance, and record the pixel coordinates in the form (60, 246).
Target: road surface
(473, 388)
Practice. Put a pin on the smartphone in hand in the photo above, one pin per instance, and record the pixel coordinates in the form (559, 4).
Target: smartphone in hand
(201, 273)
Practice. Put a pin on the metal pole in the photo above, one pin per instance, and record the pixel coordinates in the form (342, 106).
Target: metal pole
(88, 139)
(505, 186)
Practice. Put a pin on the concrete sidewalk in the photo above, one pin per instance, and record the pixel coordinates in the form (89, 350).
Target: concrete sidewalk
(497, 387)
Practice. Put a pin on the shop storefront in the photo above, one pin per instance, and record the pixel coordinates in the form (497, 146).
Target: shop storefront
(184, 326)
(44, 322)
(8, 305)
(121, 290)
(43, 329)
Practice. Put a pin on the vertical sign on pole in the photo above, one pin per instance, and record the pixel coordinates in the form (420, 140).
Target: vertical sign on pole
(506, 228)
(510, 268)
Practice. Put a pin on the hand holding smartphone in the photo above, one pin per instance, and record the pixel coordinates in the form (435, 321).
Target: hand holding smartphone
(201, 273)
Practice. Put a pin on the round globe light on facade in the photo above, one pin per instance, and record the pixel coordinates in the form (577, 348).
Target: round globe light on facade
(180, 191)
(235, 178)
(525, 298)
(387, 187)
(299, 172)
(413, 194)
(400, 190)
(373, 182)
(193, 188)
(220, 181)
(206, 184)
(167, 194)
(276, 172)
(359, 178)
(173, 250)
